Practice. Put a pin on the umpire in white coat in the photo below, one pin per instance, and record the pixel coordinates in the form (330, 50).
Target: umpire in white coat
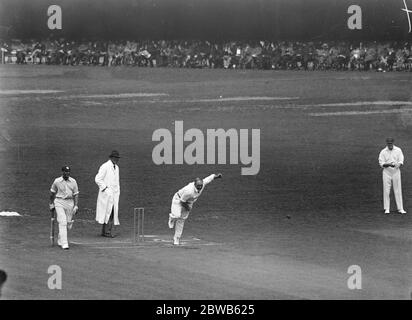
(107, 208)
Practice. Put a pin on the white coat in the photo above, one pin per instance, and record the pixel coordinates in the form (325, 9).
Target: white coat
(108, 176)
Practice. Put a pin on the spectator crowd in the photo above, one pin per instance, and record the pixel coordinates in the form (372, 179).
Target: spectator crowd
(280, 55)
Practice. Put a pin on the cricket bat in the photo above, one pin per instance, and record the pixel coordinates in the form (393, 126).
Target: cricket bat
(52, 218)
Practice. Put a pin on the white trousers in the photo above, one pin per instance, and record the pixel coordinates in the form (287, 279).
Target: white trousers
(388, 181)
(179, 224)
(64, 213)
(179, 214)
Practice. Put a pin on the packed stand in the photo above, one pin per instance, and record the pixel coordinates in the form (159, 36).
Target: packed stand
(284, 55)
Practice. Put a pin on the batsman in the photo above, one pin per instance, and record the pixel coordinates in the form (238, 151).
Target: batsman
(64, 194)
(182, 204)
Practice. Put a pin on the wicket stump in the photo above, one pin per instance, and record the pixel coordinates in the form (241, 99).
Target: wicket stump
(138, 225)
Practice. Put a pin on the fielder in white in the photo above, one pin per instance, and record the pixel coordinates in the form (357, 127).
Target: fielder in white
(64, 195)
(182, 204)
(107, 207)
(391, 159)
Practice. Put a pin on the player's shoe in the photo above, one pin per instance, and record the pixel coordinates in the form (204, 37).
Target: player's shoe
(108, 235)
(401, 211)
(171, 223)
(176, 241)
(66, 247)
(387, 212)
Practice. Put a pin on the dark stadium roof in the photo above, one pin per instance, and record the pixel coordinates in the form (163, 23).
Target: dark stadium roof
(201, 19)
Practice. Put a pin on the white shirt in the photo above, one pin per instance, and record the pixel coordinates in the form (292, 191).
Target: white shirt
(64, 189)
(190, 194)
(387, 156)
